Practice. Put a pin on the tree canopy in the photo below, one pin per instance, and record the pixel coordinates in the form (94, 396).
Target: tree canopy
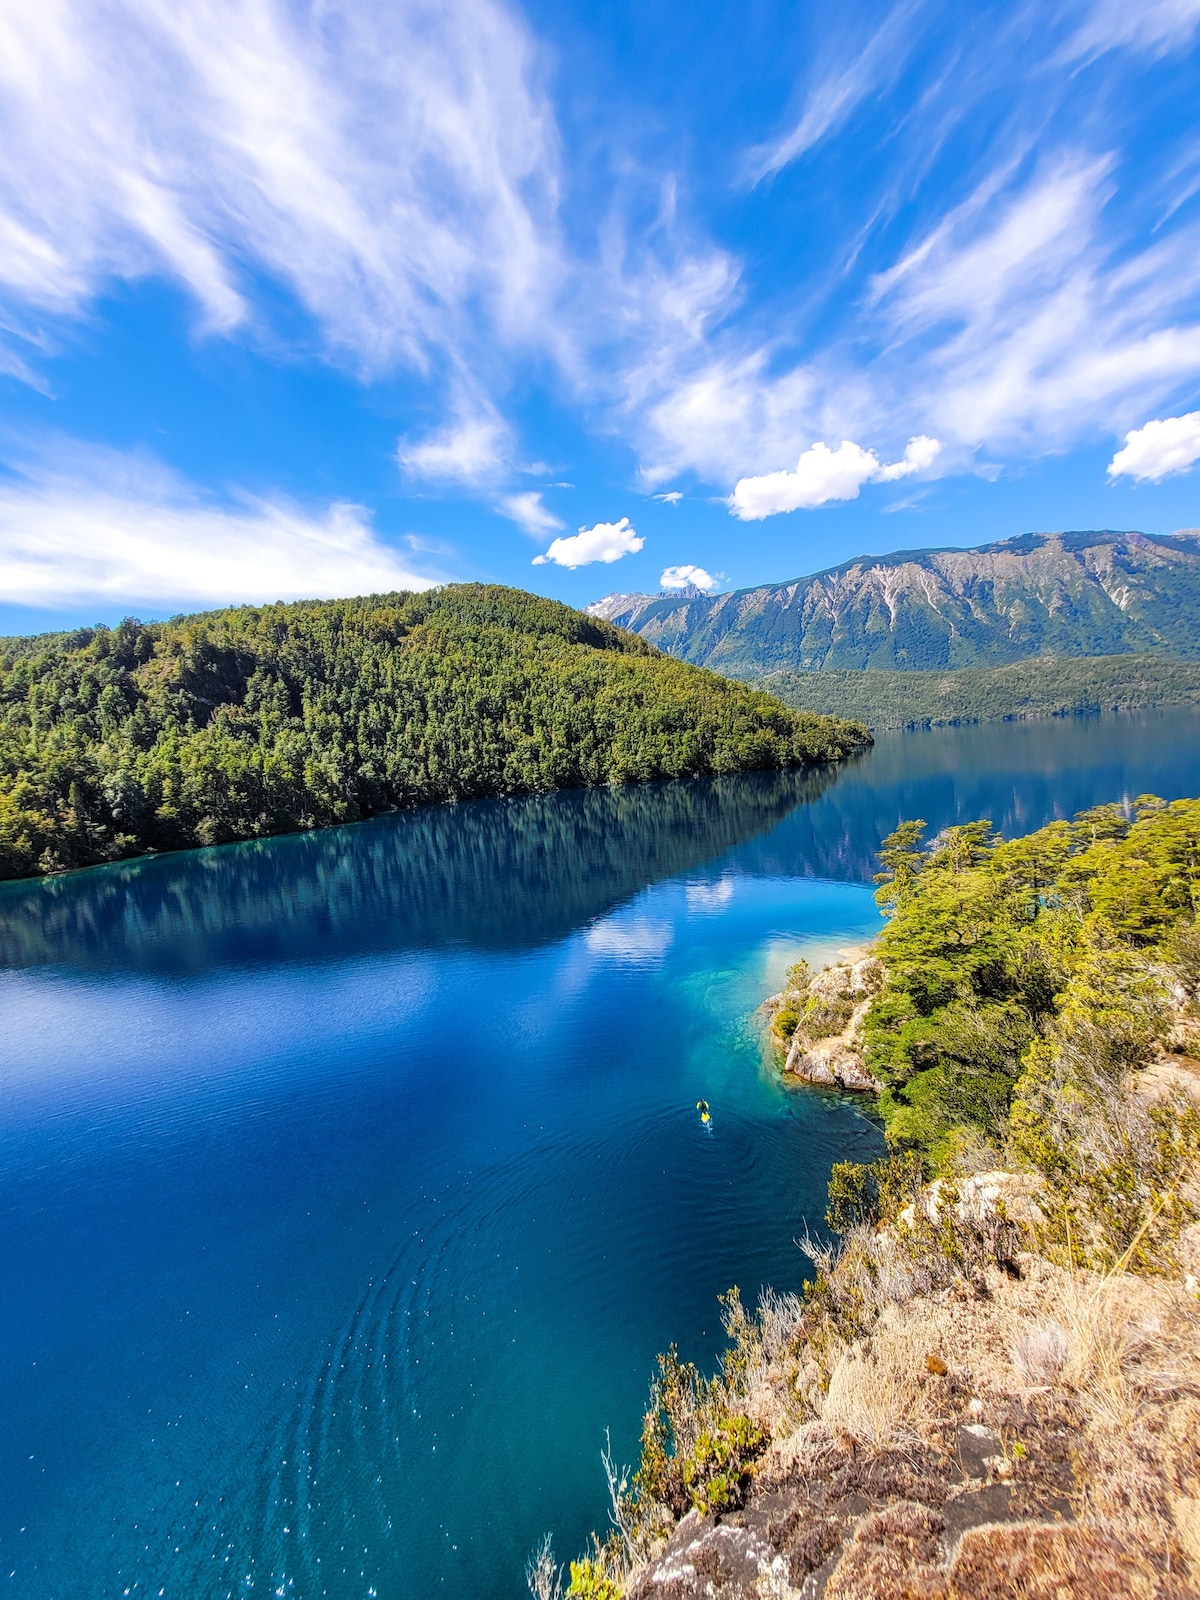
(997, 949)
(250, 721)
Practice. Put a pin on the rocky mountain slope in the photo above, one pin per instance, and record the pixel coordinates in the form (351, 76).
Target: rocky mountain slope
(1068, 594)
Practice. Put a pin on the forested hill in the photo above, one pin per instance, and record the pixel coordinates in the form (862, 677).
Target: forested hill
(1051, 686)
(1066, 594)
(260, 720)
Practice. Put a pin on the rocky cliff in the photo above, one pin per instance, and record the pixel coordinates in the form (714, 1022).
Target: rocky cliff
(1069, 594)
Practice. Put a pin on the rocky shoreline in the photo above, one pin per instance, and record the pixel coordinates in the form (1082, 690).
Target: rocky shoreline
(990, 1388)
(816, 1022)
(953, 1415)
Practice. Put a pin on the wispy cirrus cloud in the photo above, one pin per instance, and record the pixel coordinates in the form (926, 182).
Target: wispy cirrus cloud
(1023, 320)
(474, 449)
(394, 166)
(529, 512)
(1003, 271)
(839, 88)
(980, 258)
(1154, 26)
(80, 525)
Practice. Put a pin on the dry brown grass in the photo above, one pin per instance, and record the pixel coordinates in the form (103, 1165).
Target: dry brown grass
(875, 1386)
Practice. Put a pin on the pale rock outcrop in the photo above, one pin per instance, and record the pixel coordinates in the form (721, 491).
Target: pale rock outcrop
(980, 1199)
(837, 1061)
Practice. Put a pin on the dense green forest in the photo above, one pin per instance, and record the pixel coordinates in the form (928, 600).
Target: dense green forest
(1025, 975)
(1049, 686)
(260, 720)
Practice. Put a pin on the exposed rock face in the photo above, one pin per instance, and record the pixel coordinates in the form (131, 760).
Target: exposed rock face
(833, 1060)
(997, 1472)
(1069, 594)
(980, 1198)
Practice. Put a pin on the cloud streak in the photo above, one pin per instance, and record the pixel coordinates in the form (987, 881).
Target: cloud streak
(838, 92)
(393, 166)
(101, 527)
(985, 256)
(528, 512)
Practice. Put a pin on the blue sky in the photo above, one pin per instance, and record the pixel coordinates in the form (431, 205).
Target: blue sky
(319, 299)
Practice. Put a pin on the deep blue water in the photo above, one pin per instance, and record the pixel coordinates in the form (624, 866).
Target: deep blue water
(349, 1182)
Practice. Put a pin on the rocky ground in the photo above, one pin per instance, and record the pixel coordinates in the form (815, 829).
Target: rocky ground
(1028, 1432)
(1034, 1435)
(823, 1047)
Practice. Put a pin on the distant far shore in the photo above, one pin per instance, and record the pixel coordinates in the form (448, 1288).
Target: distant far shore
(1046, 686)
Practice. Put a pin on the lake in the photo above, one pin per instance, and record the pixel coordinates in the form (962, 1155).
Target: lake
(349, 1182)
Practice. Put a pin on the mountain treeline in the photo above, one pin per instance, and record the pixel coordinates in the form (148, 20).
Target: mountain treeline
(1049, 686)
(250, 721)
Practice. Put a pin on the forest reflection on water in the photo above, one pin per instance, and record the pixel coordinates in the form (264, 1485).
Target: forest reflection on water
(350, 1181)
(493, 874)
(514, 873)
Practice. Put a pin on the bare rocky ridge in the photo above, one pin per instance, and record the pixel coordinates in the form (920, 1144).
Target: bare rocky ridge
(1070, 594)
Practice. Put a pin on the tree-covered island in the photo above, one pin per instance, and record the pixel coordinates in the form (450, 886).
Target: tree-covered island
(260, 720)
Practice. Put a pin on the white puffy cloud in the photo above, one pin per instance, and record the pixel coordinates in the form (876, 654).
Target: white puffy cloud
(1160, 448)
(671, 498)
(823, 475)
(103, 527)
(607, 542)
(682, 577)
(526, 509)
(919, 455)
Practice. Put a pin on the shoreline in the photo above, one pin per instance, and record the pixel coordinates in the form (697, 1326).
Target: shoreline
(816, 1021)
(991, 1386)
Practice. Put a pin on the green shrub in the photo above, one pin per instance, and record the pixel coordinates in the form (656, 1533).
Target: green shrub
(825, 1016)
(590, 1582)
(785, 1021)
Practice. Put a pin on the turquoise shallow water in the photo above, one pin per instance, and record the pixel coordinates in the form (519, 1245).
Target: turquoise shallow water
(350, 1182)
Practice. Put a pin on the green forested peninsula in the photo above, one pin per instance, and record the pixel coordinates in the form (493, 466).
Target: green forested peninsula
(1033, 1009)
(260, 720)
(1044, 687)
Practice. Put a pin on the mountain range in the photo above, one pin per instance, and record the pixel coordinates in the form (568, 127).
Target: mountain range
(1040, 594)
